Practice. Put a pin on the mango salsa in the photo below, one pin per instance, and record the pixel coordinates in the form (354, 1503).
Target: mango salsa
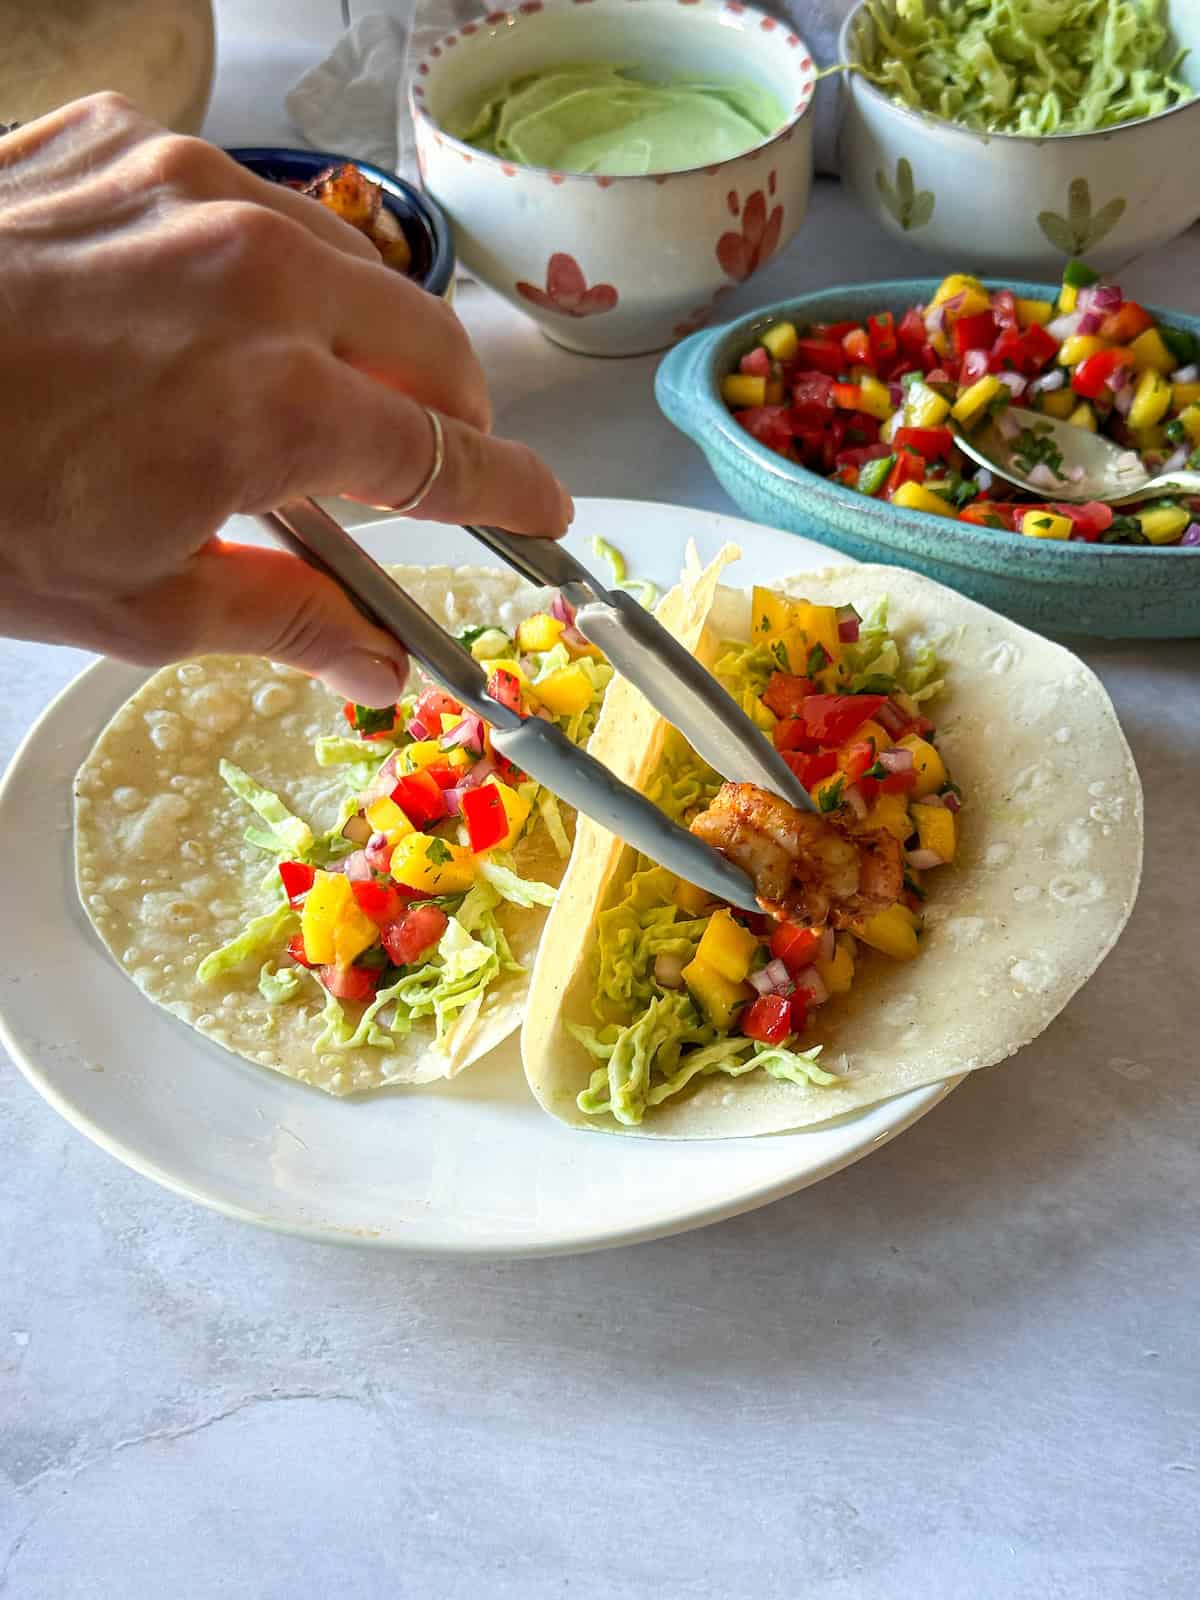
(889, 811)
(727, 947)
(433, 865)
(539, 632)
(715, 995)
(385, 816)
(893, 931)
(691, 899)
(928, 765)
(353, 933)
(326, 901)
(516, 810)
(565, 692)
(837, 974)
(937, 830)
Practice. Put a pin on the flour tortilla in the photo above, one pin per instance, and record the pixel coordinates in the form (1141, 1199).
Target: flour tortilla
(1048, 870)
(166, 876)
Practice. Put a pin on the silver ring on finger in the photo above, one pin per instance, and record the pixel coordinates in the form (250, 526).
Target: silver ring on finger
(435, 470)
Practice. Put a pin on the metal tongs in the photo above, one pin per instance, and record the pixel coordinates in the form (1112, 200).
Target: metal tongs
(635, 643)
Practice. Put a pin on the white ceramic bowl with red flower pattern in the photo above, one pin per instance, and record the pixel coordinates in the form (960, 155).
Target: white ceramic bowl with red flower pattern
(617, 266)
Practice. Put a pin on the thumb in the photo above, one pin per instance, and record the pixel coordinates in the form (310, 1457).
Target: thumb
(233, 598)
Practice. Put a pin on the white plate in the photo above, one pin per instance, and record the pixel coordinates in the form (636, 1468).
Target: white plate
(471, 1167)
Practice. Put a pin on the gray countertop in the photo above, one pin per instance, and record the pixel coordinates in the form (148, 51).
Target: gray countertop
(967, 1364)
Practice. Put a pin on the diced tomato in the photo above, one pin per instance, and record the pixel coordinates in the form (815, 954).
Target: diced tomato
(379, 901)
(857, 346)
(420, 798)
(799, 1011)
(858, 427)
(432, 706)
(1039, 347)
(767, 1019)
(812, 398)
(484, 814)
(882, 333)
(819, 355)
(413, 932)
(1090, 377)
(930, 360)
(932, 444)
(1004, 308)
(369, 723)
(911, 334)
(756, 363)
(505, 688)
(785, 693)
(856, 758)
(846, 475)
(443, 774)
(1089, 519)
(847, 396)
(350, 983)
(295, 949)
(909, 468)
(861, 454)
(297, 878)
(832, 718)
(789, 734)
(378, 852)
(770, 425)
(834, 330)
(1123, 325)
(1008, 352)
(796, 947)
(976, 332)
(507, 771)
(898, 782)
(810, 766)
(989, 514)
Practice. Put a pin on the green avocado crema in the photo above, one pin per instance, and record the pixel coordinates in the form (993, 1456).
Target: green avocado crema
(593, 117)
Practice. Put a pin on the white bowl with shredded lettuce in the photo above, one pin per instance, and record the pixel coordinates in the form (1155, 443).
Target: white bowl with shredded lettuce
(1025, 132)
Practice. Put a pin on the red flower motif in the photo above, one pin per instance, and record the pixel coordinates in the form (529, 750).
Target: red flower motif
(567, 292)
(742, 253)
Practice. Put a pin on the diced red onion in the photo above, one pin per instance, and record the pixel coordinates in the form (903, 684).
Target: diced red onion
(779, 975)
(1177, 458)
(1014, 382)
(1191, 534)
(1075, 474)
(923, 859)
(1063, 327)
(416, 729)
(668, 970)
(896, 760)
(1188, 374)
(848, 630)
(479, 773)
(561, 608)
(1008, 427)
(950, 800)
(1101, 297)
(853, 797)
(984, 480)
(382, 783)
(809, 983)
(453, 801)
(357, 868)
(357, 828)
(935, 319)
(1044, 477)
(1118, 378)
(975, 365)
(1089, 323)
(1123, 400)
(1049, 381)
(896, 393)
(758, 981)
(572, 638)
(468, 734)
(938, 375)
(828, 945)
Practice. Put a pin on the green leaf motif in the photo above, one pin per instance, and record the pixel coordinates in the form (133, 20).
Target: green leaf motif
(1081, 229)
(904, 203)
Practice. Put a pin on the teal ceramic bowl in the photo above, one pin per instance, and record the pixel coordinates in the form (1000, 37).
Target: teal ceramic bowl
(1114, 591)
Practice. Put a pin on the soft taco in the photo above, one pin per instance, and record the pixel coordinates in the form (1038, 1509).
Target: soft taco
(350, 897)
(977, 853)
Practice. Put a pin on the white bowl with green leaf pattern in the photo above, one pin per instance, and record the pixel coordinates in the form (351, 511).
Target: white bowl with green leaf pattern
(1016, 203)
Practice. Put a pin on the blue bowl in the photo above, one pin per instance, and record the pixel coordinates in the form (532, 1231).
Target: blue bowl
(1115, 591)
(424, 226)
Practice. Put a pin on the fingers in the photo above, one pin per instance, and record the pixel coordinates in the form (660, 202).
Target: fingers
(338, 432)
(319, 220)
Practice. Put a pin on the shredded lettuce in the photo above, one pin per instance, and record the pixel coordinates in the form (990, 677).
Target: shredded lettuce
(642, 590)
(1025, 66)
(551, 816)
(644, 924)
(260, 937)
(278, 986)
(293, 835)
(518, 891)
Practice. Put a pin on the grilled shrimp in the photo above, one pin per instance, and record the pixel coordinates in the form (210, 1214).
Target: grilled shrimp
(804, 867)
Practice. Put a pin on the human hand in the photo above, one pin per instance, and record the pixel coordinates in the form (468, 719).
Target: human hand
(181, 341)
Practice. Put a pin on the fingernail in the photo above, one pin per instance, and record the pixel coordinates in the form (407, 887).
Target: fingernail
(568, 506)
(367, 679)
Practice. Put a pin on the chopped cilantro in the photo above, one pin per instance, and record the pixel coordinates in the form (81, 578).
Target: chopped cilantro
(372, 719)
(876, 771)
(1036, 447)
(818, 660)
(1193, 460)
(831, 798)
(1182, 344)
(764, 624)
(439, 852)
(873, 474)
(1175, 431)
(779, 651)
(912, 887)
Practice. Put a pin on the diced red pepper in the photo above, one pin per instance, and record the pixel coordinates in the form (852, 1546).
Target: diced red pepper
(484, 814)
(413, 933)
(796, 947)
(834, 330)
(756, 363)
(379, 901)
(856, 758)
(297, 878)
(1008, 352)
(420, 798)
(909, 468)
(911, 334)
(770, 425)
(443, 774)
(812, 398)
(857, 346)
(882, 332)
(1089, 520)
(932, 444)
(1004, 308)
(988, 514)
(1039, 347)
(767, 1019)
(505, 688)
(858, 427)
(819, 355)
(810, 766)
(976, 332)
(295, 949)
(350, 983)
(930, 360)
(832, 718)
(1123, 325)
(800, 1011)
(1090, 377)
(847, 396)
(941, 374)
(789, 734)
(898, 782)
(785, 693)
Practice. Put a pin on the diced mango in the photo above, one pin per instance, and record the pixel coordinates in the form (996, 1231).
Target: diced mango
(516, 810)
(566, 691)
(1030, 312)
(688, 897)
(916, 497)
(714, 994)
(1151, 399)
(353, 933)
(889, 811)
(1084, 417)
(819, 626)
(871, 729)
(1068, 295)
(1078, 347)
(776, 393)
(1039, 524)
(727, 947)
(837, 974)
(1058, 403)
(973, 402)
(385, 816)
(834, 787)
(937, 830)
(1144, 440)
(781, 341)
(539, 632)
(1190, 417)
(433, 865)
(323, 906)
(1163, 524)
(1151, 354)
(927, 764)
(771, 615)
(740, 389)
(925, 407)
(422, 753)
(893, 931)
(1184, 394)
(975, 297)
(874, 398)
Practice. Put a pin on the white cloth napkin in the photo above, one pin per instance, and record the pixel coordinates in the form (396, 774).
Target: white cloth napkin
(355, 103)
